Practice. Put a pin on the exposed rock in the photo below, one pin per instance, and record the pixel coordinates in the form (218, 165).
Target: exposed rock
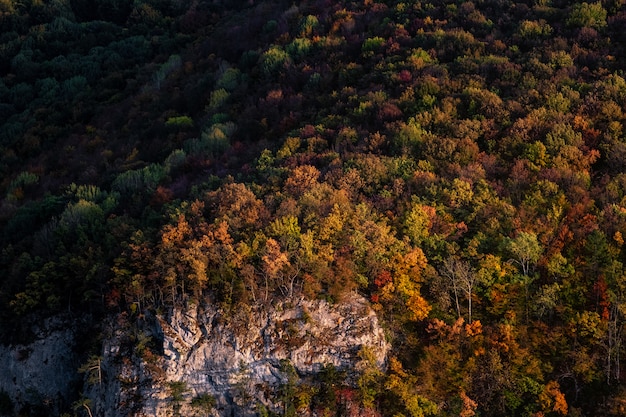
(44, 372)
(236, 359)
(158, 366)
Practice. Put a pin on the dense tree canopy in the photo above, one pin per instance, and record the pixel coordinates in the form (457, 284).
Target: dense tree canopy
(460, 164)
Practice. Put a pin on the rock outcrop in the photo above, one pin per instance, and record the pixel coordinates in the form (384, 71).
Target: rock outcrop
(155, 365)
(238, 360)
(42, 374)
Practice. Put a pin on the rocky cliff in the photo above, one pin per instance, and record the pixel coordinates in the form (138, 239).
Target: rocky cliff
(239, 360)
(41, 375)
(160, 365)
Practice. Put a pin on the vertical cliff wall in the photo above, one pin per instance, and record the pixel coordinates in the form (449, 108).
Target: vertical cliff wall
(239, 360)
(42, 374)
(161, 365)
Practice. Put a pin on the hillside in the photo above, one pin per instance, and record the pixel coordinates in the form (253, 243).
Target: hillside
(459, 165)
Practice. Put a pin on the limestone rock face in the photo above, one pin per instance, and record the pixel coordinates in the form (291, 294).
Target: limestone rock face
(156, 365)
(44, 372)
(239, 359)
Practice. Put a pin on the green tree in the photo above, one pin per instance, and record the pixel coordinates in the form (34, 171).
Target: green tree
(178, 391)
(534, 30)
(229, 80)
(371, 379)
(526, 251)
(330, 380)
(417, 222)
(587, 15)
(83, 403)
(402, 386)
(218, 99)
(287, 231)
(273, 60)
(372, 45)
(409, 137)
(93, 369)
(288, 388)
(243, 388)
(308, 24)
(299, 48)
(204, 402)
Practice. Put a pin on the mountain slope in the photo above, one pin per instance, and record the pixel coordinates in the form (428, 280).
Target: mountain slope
(458, 164)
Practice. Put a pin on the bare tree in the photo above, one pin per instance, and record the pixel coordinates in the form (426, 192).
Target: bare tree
(462, 278)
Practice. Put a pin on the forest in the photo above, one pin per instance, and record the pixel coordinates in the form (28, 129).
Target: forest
(461, 164)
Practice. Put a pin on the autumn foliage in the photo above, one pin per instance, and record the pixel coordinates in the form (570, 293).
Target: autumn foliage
(458, 164)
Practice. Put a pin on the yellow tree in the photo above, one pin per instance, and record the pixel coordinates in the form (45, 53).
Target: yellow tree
(286, 231)
(273, 263)
(405, 285)
(552, 399)
(403, 386)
